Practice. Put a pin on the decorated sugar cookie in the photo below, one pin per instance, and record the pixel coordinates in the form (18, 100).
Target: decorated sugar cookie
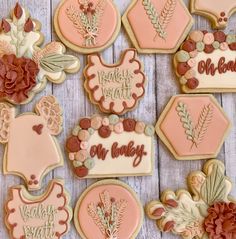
(205, 212)
(218, 12)
(115, 88)
(46, 216)
(25, 68)
(160, 27)
(111, 147)
(193, 127)
(31, 150)
(87, 26)
(206, 62)
(108, 209)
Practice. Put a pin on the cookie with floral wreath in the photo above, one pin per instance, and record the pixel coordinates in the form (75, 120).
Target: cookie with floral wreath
(108, 209)
(31, 149)
(206, 211)
(25, 67)
(206, 62)
(102, 146)
(115, 88)
(87, 26)
(44, 216)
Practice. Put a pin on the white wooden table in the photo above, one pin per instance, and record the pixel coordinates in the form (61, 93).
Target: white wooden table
(161, 86)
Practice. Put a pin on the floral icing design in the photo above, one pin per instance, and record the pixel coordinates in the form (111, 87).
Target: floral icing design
(77, 145)
(115, 88)
(203, 42)
(87, 20)
(207, 213)
(107, 214)
(195, 133)
(47, 216)
(25, 68)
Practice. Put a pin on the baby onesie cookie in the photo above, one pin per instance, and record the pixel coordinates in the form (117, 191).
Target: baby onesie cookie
(115, 88)
(87, 26)
(108, 209)
(206, 211)
(218, 12)
(25, 68)
(111, 147)
(206, 62)
(161, 25)
(193, 127)
(31, 150)
(44, 217)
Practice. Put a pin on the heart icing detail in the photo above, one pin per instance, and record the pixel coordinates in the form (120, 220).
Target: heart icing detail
(38, 129)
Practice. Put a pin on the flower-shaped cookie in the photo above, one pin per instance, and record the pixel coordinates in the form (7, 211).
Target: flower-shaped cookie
(115, 88)
(31, 150)
(25, 68)
(208, 212)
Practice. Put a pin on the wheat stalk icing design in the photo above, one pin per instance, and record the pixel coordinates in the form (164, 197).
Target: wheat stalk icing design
(160, 22)
(87, 20)
(108, 214)
(195, 134)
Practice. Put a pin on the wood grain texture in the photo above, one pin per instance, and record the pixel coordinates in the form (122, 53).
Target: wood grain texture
(161, 86)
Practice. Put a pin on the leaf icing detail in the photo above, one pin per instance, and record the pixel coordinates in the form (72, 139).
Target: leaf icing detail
(214, 188)
(56, 62)
(167, 13)
(195, 134)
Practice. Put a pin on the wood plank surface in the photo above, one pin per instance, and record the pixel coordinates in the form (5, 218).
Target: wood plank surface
(162, 85)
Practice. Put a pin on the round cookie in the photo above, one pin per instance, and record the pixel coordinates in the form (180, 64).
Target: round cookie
(111, 201)
(87, 26)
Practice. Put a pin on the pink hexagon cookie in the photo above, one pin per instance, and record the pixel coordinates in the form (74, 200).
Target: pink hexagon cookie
(193, 127)
(165, 23)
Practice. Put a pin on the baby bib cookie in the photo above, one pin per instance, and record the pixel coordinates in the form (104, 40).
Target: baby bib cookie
(115, 88)
(193, 127)
(87, 26)
(25, 68)
(111, 147)
(31, 150)
(108, 209)
(46, 216)
(166, 24)
(218, 12)
(206, 211)
(206, 62)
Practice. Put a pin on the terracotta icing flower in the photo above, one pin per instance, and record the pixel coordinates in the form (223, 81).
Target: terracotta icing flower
(221, 221)
(17, 77)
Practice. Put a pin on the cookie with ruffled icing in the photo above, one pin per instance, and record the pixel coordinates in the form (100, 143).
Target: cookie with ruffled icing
(44, 216)
(25, 67)
(110, 146)
(205, 211)
(31, 149)
(108, 209)
(115, 88)
(87, 26)
(206, 62)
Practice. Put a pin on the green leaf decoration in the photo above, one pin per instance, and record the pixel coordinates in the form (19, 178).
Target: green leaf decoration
(57, 62)
(214, 189)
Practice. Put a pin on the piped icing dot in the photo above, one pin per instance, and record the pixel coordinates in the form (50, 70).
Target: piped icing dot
(118, 128)
(96, 122)
(83, 135)
(191, 63)
(129, 125)
(140, 127)
(85, 123)
(104, 131)
(77, 163)
(81, 171)
(71, 156)
(82, 155)
(190, 74)
(89, 163)
(182, 68)
(73, 144)
(216, 44)
(224, 46)
(230, 39)
(192, 83)
(208, 38)
(91, 131)
(196, 36)
(208, 49)
(189, 45)
(232, 46)
(182, 56)
(76, 130)
(149, 130)
(183, 80)
(200, 46)
(113, 119)
(193, 53)
(105, 121)
(84, 145)
(219, 36)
